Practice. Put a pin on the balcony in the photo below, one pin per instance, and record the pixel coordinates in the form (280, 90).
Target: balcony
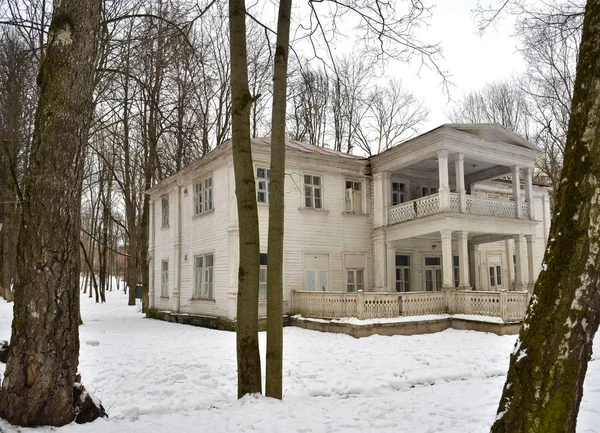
(432, 204)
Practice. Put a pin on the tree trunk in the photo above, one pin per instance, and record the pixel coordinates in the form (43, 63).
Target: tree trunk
(547, 368)
(276, 208)
(41, 367)
(248, 356)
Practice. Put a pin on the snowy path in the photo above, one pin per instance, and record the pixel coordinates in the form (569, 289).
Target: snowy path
(154, 376)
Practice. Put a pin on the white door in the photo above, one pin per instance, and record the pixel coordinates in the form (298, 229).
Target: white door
(495, 276)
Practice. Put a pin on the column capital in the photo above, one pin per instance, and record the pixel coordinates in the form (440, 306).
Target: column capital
(443, 153)
(382, 175)
(446, 233)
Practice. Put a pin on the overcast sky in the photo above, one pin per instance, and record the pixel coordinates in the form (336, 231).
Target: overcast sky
(470, 60)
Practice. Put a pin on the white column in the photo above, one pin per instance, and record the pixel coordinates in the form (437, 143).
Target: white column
(516, 189)
(459, 168)
(530, 262)
(151, 252)
(379, 260)
(463, 261)
(447, 280)
(176, 250)
(382, 198)
(444, 185)
(391, 268)
(509, 262)
(529, 191)
(520, 262)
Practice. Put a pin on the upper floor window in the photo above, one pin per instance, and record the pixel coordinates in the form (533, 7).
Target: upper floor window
(203, 196)
(428, 190)
(203, 276)
(353, 197)
(165, 211)
(313, 196)
(263, 182)
(399, 192)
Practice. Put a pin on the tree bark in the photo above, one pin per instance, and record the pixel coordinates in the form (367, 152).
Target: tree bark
(248, 356)
(38, 384)
(276, 207)
(548, 366)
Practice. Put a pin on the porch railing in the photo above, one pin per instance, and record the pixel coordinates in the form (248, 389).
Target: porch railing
(430, 205)
(509, 306)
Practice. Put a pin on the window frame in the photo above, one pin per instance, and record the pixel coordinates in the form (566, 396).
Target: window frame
(201, 291)
(164, 200)
(262, 282)
(312, 187)
(403, 268)
(164, 278)
(353, 197)
(356, 286)
(203, 196)
(317, 273)
(405, 193)
(267, 179)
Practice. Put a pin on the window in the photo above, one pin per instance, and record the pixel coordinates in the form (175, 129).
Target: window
(455, 270)
(433, 274)
(263, 183)
(164, 279)
(515, 267)
(203, 196)
(262, 278)
(203, 276)
(403, 271)
(165, 211)
(428, 190)
(399, 192)
(312, 192)
(356, 280)
(353, 197)
(317, 272)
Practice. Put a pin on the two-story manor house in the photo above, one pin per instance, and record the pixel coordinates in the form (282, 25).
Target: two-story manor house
(454, 208)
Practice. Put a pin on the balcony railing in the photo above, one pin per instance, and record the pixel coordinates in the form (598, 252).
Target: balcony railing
(430, 205)
(509, 306)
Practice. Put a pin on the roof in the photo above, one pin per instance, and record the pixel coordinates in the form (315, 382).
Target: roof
(305, 147)
(492, 132)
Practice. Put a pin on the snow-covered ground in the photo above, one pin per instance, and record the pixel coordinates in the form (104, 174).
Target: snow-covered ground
(154, 376)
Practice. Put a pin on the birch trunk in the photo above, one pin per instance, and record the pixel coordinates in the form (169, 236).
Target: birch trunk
(545, 380)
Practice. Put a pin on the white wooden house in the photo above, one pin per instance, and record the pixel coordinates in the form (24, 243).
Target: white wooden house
(453, 210)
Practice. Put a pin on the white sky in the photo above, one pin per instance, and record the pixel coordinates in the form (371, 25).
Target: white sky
(470, 60)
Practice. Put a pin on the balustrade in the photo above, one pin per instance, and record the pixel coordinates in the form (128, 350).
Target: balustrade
(510, 306)
(430, 205)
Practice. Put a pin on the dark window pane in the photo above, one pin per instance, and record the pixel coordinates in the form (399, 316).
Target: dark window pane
(263, 259)
(432, 261)
(455, 260)
(260, 173)
(402, 260)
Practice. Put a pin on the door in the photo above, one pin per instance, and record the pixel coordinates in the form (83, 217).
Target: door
(433, 273)
(495, 276)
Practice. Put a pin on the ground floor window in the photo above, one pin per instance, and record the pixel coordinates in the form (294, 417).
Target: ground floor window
(433, 273)
(456, 271)
(403, 273)
(203, 276)
(262, 278)
(355, 280)
(164, 278)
